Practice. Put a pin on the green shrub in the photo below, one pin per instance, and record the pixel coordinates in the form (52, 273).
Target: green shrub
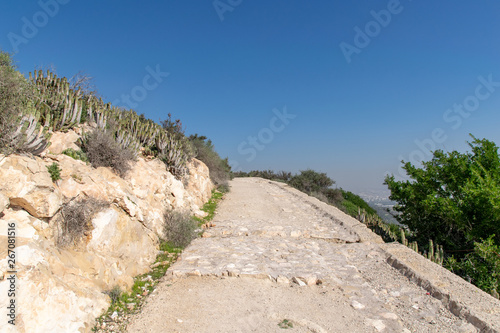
(76, 154)
(16, 95)
(359, 202)
(103, 150)
(54, 171)
(349, 208)
(220, 171)
(481, 267)
(179, 228)
(77, 220)
(335, 196)
(311, 181)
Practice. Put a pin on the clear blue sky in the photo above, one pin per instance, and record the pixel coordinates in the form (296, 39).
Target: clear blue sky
(354, 120)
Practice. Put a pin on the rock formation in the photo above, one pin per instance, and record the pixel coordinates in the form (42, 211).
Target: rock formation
(60, 288)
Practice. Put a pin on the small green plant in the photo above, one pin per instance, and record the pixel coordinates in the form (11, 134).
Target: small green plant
(54, 171)
(285, 324)
(76, 177)
(76, 154)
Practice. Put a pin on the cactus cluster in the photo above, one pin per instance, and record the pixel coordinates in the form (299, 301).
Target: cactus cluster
(57, 107)
(60, 106)
(377, 225)
(172, 153)
(435, 252)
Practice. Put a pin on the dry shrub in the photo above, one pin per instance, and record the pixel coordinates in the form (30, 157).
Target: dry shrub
(77, 220)
(103, 151)
(179, 228)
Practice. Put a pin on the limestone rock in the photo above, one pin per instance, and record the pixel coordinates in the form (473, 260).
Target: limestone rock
(61, 141)
(64, 285)
(27, 184)
(4, 202)
(199, 185)
(299, 281)
(282, 279)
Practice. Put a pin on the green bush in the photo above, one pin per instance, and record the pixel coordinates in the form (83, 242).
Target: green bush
(76, 154)
(309, 181)
(16, 95)
(349, 208)
(54, 171)
(335, 196)
(220, 171)
(359, 202)
(103, 150)
(481, 267)
(179, 228)
(77, 220)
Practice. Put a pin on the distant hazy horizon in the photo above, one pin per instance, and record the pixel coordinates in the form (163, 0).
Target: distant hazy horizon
(346, 88)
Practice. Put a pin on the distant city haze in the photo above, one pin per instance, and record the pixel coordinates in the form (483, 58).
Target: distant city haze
(349, 88)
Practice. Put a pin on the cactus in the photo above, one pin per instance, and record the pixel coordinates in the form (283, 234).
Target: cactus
(60, 105)
(431, 250)
(61, 108)
(30, 136)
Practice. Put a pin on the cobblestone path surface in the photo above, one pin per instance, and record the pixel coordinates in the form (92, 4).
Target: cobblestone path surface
(273, 260)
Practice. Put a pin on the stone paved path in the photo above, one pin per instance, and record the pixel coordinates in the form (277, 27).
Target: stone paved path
(268, 239)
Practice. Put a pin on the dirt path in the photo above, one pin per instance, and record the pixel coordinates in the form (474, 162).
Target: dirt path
(274, 259)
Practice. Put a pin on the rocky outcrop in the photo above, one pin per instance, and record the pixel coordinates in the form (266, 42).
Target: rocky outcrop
(199, 185)
(60, 286)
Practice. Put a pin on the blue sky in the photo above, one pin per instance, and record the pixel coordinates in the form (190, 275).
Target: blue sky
(234, 65)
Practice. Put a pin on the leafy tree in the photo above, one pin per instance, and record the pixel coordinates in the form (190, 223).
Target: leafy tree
(454, 198)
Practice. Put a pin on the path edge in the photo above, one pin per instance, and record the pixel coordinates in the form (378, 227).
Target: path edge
(460, 297)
